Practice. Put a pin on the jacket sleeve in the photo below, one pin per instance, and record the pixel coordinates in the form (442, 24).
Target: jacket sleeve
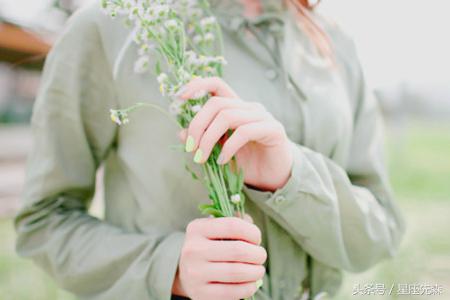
(343, 217)
(72, 135)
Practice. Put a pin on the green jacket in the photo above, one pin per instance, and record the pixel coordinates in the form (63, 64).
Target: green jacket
(335, 213)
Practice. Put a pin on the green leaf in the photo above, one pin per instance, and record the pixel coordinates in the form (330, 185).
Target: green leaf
(210, 210)
(240, 181)
(193, 174)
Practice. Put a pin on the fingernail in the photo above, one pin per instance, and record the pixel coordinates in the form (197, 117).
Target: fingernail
(190, 144)
(198, 156)
(259, 284)
(220, 159)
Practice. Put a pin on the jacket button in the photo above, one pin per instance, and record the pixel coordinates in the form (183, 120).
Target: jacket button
(271, 74)
(280, 199)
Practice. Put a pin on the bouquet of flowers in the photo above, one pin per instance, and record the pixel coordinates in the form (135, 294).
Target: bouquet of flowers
(185, 40)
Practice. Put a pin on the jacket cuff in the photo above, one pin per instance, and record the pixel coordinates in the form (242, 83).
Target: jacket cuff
(280, 199)
(165, 266)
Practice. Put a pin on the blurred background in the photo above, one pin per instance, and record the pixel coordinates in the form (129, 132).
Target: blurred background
(404, 46)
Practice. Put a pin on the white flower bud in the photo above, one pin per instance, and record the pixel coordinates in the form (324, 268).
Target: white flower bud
(235, 199)
(196, 108)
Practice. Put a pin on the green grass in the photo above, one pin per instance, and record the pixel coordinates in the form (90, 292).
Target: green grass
(20, 279)
(419, 166)
(419, 163)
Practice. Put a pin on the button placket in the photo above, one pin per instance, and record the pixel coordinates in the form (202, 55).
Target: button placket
(279, 199)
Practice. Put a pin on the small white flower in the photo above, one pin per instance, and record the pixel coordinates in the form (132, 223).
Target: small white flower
(142, 64)
(194, 13)
(160, 10)
(192, 58)
(171, 24)
(162, 78)
(135, 12)
(221, 60)
(235, 199)
(145, 49)
(119, 117)
(209, 37)
(164, 84)
(175, 107)
(208, 21)
(196, 108)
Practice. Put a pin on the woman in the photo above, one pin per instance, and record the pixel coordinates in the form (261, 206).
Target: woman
(306, 132)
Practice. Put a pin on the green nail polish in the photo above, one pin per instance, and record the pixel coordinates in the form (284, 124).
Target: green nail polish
(259, 284)
(198, 156)
(190, 144)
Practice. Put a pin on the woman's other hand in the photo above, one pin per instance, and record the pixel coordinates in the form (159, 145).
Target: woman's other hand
(220, 259)
(258, 140)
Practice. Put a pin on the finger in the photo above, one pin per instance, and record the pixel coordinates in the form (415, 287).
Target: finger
(264, 132)
(234, 272)
(207, 114)
(231, 228)
(246, 217)
(213, 85)
(221, 291)
(182, 135)
(235, 251)
(226, 119)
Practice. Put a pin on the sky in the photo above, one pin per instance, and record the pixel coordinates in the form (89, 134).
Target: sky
(398, 40)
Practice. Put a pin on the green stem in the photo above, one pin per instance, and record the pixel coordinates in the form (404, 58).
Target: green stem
(138, 105)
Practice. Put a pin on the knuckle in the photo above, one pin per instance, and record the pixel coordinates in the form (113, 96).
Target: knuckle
(213, 101)
(189, 251)
(261, 271)
(242, 132)
(257, 233)
(193, 227)
(224, 116)
(263, 255)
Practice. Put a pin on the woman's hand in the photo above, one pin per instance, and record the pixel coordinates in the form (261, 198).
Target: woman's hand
(220, 259)
(258, 140)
